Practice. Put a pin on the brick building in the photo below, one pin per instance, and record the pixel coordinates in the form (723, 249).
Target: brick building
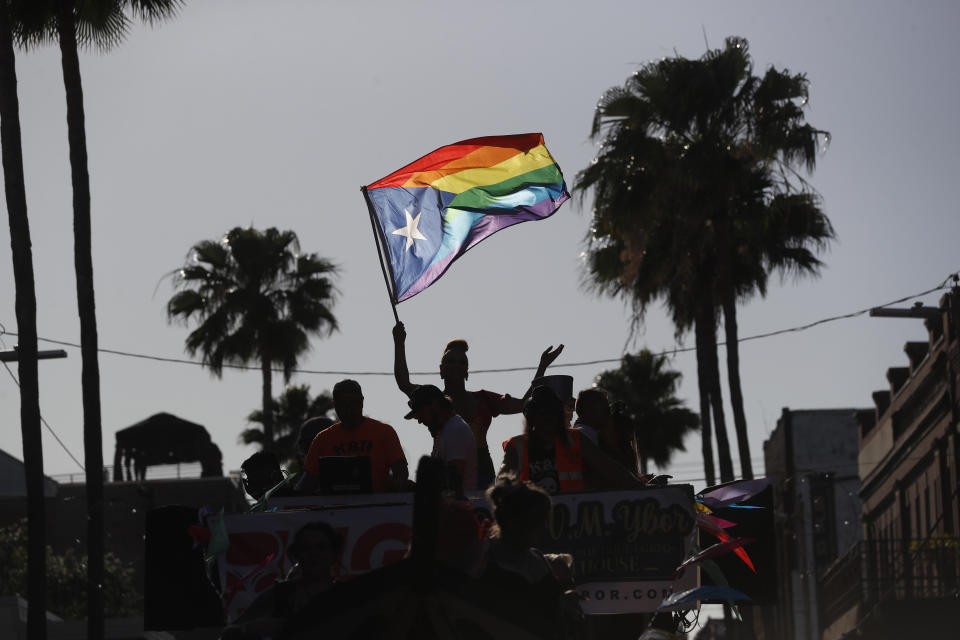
(903, 577)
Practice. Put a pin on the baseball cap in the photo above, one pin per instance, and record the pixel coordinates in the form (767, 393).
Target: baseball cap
(422, 396)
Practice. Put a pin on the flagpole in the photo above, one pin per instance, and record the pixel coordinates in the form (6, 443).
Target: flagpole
(376, 240)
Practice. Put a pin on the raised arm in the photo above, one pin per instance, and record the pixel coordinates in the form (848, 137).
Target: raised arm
(400, 372)
(546, 359)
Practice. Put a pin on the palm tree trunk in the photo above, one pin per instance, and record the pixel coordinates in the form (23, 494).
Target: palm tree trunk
(86, 308)
(716, 402)
(733, 380)
(706, 438)
(26, 312)
(267, 403)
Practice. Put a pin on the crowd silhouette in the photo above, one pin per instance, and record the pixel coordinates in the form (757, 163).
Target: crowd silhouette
(566, 444)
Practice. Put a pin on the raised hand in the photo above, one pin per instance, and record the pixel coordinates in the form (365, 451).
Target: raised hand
(399, 332)
(549, 355)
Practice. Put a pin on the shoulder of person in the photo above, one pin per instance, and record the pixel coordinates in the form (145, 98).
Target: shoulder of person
(381, 424)
(587, 430)
(381, 428)
(458, 424)
(489, 396)
(333, 429)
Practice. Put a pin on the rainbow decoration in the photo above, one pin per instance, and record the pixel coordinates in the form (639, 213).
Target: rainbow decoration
(433, 210)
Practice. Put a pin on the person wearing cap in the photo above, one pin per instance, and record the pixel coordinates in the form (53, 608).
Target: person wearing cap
(291, 485)
(477, 408)
(558, 459)
(453, 440)
(358, 435)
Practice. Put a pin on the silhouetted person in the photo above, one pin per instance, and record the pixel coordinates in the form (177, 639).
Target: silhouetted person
(593, 413)
(477, 408)
(260, 473)
(555, 458)
(290, 486)
(308, 431)
(453, 441)
(357, 435)
(562, 385)
(523, 583)
(314, 552)
(211, 461)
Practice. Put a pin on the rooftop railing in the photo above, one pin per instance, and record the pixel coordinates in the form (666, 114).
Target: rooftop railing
(157, 472)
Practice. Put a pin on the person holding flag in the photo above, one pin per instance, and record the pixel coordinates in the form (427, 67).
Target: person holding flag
(477, 408)
(427, 214)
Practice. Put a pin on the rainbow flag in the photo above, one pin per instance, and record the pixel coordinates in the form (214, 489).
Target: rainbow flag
(433, 210)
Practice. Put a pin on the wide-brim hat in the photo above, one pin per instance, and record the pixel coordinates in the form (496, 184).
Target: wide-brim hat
(560, 384)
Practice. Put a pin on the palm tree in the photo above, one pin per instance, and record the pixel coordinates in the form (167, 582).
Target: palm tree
(775, 232)
(698, 197)
(255, 298)
(102, 24)
(290, 410)
(26, 312)
(642, 248)
(646, 390)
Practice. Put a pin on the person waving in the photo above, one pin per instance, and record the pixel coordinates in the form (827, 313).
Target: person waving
(477, 408)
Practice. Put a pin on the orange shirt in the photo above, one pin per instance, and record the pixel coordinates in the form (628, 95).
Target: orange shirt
(372, 438)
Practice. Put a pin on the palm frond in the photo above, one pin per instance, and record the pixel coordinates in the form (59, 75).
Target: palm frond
(695, 185)
(154, 12)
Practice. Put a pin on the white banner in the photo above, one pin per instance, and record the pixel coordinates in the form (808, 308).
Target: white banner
(625, 544)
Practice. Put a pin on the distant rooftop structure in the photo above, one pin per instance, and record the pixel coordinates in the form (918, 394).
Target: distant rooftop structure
(13, 479)
(164, 439)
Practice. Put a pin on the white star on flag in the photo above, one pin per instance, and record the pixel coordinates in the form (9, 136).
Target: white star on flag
(410, 232)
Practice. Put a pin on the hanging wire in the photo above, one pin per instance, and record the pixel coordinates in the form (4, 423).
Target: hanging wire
(663, 352)
(3, 330)
(46, 424)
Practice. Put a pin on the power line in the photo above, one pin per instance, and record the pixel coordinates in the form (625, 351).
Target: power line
(833, 468)
(3, 330)
(663, 352)
(46, 424)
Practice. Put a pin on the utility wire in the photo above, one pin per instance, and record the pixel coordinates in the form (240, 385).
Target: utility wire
(833, 469)
(47, 425)
(3, 330)
(663, 352)
(799, 328)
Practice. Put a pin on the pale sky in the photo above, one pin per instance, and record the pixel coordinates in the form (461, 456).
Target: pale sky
(274, 114)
